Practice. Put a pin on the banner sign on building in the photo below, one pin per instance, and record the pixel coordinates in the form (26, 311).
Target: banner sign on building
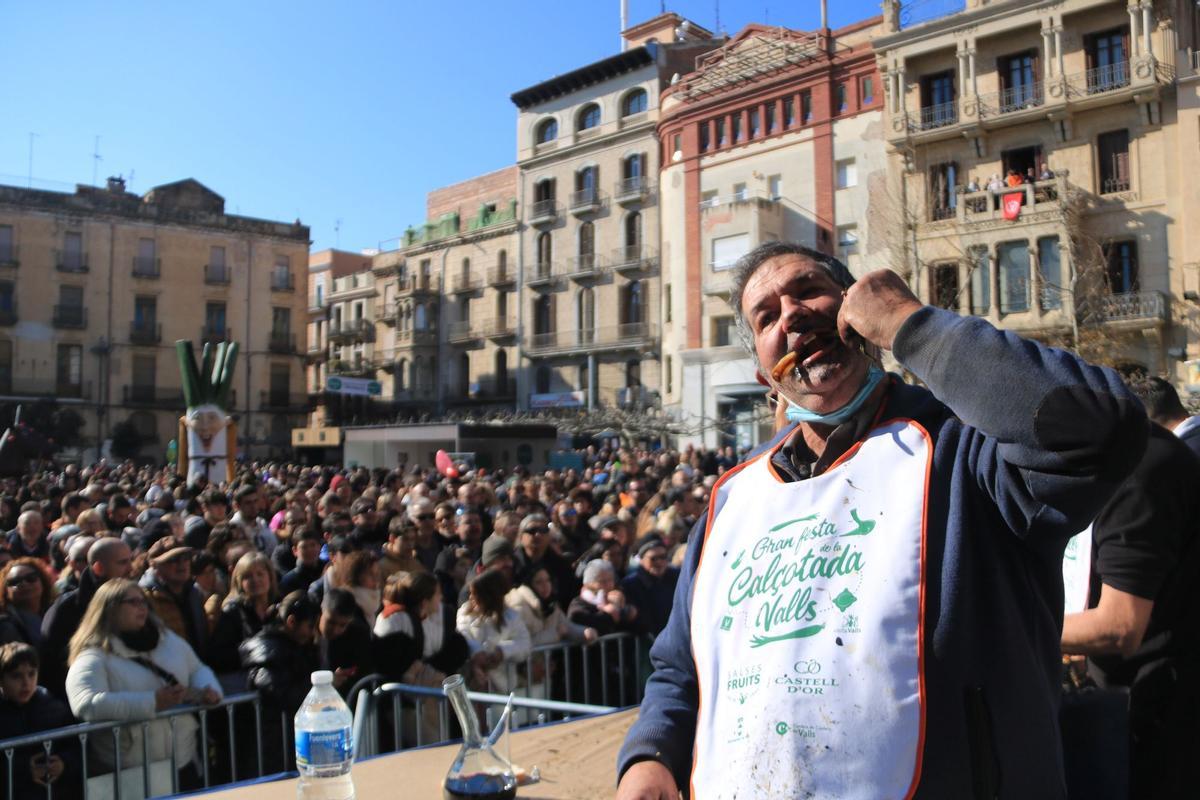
(359, 386)
(556, 400)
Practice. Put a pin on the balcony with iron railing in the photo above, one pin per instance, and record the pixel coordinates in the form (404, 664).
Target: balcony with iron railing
(587, 266)
(1098, 80)
(8, 312)
(352, 329)
(632, 190)
(499, 328)
(144, 332)
(283, 402)
(417, 285)
(152, 396)
(935, 116)
(216, 274)
(70, 261)
(386, 313)
(502, 275)
(586, 201)
(540, 274)
(282, 342)
(70, 316)
(610, 337)
(986, 206)
(50, 388)
(283, 282)
(633, 258)
(463, 331)
(1125, 310)
(352, 368)
(1012, 99)
(147, 267)
(213, 334)
(315, 352)
(10, 257)
(543, 212)
(410, 337)
(464, 282)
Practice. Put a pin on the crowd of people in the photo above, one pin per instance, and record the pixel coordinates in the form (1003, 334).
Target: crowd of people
(126, 590)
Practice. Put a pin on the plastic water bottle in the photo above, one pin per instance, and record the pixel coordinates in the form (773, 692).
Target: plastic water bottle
(324, 746)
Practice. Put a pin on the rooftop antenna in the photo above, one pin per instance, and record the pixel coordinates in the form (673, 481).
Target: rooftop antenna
(32, 136)
(337, 232)
(624, 24)
(96, 159)
(717, 27)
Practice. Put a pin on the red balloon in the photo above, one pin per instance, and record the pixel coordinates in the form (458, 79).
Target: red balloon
(445, 464)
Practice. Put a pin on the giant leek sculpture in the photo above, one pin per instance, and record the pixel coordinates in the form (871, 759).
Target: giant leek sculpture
(207, 434)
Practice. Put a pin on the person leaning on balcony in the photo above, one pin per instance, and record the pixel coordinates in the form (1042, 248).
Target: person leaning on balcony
(126, 666)
(872, 605)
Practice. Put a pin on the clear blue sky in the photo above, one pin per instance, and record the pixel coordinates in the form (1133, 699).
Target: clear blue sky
(347, 110)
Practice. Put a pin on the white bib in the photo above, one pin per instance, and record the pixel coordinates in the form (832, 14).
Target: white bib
(1077, 572)
(806, 627)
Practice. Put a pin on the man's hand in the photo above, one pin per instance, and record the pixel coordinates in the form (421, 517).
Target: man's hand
(875, 307)
(209, 696)
(648, 780)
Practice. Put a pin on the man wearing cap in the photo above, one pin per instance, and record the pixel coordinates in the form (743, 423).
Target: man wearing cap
(535, 553)
(497, 554)
(871, 606)
(107, 558)
(172, 595)
(651, 587)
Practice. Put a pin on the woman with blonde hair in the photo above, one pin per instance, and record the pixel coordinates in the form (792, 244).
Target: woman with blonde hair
(125, 667)
(253, 588)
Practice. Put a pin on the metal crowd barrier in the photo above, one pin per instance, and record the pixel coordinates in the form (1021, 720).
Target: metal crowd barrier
(370, 702)
(586, 669)
(575, 679)
(121, 777)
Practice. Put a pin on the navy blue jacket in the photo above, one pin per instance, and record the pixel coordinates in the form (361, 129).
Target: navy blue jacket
(1028, 443)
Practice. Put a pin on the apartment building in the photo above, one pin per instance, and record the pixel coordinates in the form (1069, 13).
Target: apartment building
(324, 267)
(590, 289)
(97, 285)
(776, 136)
(447, 302)
(1078, 99)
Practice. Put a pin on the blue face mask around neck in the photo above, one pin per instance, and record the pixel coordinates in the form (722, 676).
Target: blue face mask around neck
(797, 414)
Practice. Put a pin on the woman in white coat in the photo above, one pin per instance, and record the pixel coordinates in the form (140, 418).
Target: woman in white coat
(126, 666)
(495, 631)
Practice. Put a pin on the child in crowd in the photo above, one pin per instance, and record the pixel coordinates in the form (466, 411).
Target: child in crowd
(27, 708)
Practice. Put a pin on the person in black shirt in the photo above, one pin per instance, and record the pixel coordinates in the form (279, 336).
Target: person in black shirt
(1139, 630)
(307, 550)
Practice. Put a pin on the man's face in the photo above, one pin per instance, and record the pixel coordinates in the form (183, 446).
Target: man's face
(176, 571)
(654, 561)
(117, 563)
(19, 683)
(30, 526)
(785, 300)
(249, 506)
(468, 528)
(216, 512)
(307, 551)
(535, 540)
(637, 491)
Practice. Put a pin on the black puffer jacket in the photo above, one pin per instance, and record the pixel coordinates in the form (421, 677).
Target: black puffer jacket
(278, 668)
(237, 623)
(43, 712)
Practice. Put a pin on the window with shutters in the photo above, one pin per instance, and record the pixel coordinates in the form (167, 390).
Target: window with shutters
(945, 286)
(635, 102)
(726, 250)
(943, 190)
(1113, 150)
(543, 314)
(1122, 263)
(70, 370)
(1107, 60)
(1050, 272)
(1012, 263)
(981, 281)
(6, 366)
(8, 250)
(144, 378)
(1019, 87)
(281, 379)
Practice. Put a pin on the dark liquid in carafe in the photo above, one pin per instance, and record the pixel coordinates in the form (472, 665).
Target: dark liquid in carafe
(479, 787)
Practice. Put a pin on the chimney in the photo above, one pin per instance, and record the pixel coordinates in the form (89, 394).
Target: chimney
(116, 185)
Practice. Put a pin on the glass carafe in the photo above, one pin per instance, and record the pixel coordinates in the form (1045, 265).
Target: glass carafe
(478, 772)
